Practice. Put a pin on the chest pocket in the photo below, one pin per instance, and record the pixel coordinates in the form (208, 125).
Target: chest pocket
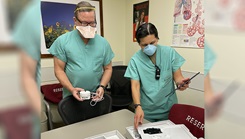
(166, 77)
(76, 58)
(76, 61)
(97, 64)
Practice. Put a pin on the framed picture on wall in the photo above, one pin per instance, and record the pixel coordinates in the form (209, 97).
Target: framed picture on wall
(140, 16)
(57, 19)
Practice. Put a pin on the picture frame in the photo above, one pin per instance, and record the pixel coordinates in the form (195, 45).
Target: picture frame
(140, 16)
(45, 44)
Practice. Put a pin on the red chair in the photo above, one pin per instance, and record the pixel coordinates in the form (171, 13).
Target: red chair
(17, 122)
(191, 116)
(52, 96)
(52, 92)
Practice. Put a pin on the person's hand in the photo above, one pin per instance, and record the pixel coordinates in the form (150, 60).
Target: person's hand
(183, 85)
(99, 94)
(213, 105)
(76, 93)
(138, 117)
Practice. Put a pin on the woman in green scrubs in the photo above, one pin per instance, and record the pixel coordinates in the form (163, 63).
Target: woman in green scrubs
(153, 71)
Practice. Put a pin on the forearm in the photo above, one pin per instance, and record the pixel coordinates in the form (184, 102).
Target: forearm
(208, 91)
(32, 93)
(29, 83)
(178, 77)
(106, 77)
(136, 96)
(63, 79)
(135, 92)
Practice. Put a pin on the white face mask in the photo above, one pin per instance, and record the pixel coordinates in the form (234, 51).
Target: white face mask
(87, 32)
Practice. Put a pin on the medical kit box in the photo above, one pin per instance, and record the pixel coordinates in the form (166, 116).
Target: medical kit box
(115, 134)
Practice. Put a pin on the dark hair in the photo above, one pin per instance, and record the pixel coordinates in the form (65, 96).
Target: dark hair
(145, 30)
(83, 6)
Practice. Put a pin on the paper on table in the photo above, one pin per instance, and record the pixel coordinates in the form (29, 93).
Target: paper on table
(133, 134)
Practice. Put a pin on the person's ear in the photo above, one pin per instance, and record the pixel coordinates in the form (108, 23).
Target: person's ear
(74, 19)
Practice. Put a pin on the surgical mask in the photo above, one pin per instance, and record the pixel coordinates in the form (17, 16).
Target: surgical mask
(87, 31)
(150, 49)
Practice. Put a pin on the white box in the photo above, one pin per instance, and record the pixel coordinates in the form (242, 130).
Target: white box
(115, 134)
(169, 131)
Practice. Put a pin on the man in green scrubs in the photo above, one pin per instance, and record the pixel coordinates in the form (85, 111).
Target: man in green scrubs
(153, 71)
(82, 59)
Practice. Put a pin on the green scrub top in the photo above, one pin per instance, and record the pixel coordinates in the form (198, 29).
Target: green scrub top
(29, 40)
(209, 58)
(152, 92)
(84, 62)
(26, 35)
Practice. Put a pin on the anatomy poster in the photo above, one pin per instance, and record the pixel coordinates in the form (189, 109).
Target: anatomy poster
(225, 15)
(188, 28)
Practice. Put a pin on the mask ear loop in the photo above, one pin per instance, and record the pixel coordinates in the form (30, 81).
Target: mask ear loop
(92, 102)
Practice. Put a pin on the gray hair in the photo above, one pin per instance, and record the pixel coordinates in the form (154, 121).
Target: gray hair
(83, 6)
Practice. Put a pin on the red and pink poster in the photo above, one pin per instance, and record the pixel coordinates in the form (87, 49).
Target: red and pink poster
(188, 28)
(225, 16)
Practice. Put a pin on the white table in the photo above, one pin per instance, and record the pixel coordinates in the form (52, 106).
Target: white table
(118, 120)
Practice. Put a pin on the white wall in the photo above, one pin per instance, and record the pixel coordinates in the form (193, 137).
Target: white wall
(229, 50)
(114, 26)
(130, 47)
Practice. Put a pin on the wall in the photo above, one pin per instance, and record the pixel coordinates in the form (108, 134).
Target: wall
(114, 26)
(229, 50)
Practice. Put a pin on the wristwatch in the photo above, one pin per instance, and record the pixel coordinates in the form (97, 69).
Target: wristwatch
(101, 86)
(136, 105)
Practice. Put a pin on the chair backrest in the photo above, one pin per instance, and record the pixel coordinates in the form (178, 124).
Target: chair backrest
(52, 92)
(72, 110)
(12, 121)
(191, 116)
(120, 87)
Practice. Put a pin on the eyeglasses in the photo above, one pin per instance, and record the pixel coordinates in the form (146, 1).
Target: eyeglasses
(158, 71)
(84, 23)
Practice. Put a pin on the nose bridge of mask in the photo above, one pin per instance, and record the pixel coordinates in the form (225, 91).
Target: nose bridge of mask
(89, 28)
(87, 31)
(149, 49)
(149, 46)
